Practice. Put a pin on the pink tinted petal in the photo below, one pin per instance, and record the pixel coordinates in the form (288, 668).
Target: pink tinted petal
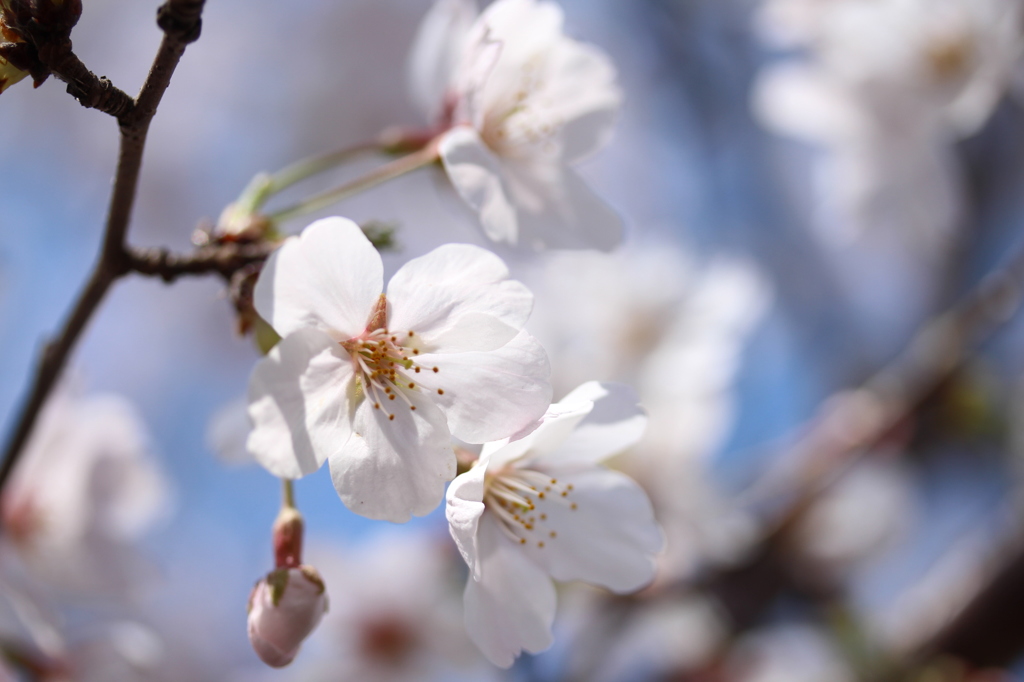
(512, 607)
(476, 174)
(489, 395)
(299, 401)
(394, 469)
(453, 292)
(608, 539)
(329, 277)
(615, 423)
(464, 508)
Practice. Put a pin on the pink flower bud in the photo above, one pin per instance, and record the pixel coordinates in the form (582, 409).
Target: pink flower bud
(284, 608)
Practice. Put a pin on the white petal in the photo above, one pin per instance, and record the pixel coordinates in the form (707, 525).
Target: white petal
(581, 96)
(458, 297)
(329, 277)
(393, 469)
(464, 508)
(557, 210)
(299, 404)
(490, 395)
(615, 423)
(526, 27)
(546, 436)
(476, 174)
(512, 607)
(609, 539)
(533, 202)
(437, 51)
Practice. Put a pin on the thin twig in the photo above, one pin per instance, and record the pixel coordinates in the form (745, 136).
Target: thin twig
(180, 21)
(221, 259)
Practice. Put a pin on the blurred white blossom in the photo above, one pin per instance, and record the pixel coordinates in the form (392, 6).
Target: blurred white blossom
(227, 431)
(396, 616)
(520, 101)
(865, 512)
(787, 653)
(651, 315)
(885, 89)
(85, 490)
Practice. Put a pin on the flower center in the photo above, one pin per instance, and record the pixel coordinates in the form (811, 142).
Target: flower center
(521, 500)
(950, 56)
(386, 368)
(521, 124)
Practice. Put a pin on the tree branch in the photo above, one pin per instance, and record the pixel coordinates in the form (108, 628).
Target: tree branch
(223, 259)
(90, 90)
(180, 21)
(989, 630)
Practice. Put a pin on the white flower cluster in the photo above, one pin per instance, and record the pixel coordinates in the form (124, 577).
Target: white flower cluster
(377, 380)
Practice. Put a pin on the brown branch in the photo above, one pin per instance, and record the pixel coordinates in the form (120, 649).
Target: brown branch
(223, 259)
(989, 630)
(180, 20)
(90, 90)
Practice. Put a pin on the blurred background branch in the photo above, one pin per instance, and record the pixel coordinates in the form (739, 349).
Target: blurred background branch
(180, 21)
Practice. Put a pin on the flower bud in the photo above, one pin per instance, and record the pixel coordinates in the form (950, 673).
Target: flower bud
(240, 224)
(284, 608)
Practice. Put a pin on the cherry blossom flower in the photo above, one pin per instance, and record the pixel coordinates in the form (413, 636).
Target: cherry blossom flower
(378, 383)
(520, 102)
(85, 490)
(538, 506)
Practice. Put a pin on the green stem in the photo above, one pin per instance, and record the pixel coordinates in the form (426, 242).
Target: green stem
(300, 170)
(287, 493)
(264, 185)
(389, 171)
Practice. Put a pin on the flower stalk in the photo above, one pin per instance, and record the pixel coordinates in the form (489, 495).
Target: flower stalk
(397, 168)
